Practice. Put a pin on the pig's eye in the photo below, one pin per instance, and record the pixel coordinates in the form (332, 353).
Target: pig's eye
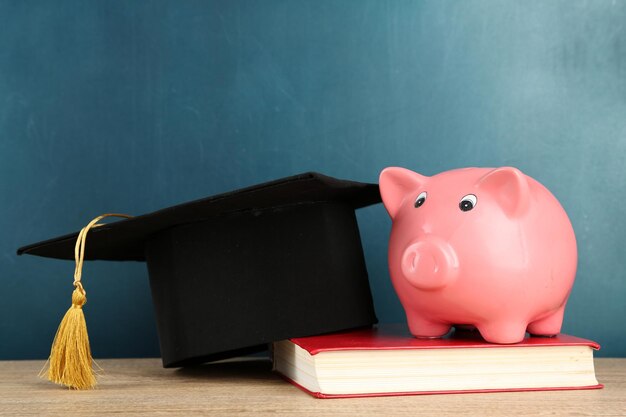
(420, 199)
(468, 202)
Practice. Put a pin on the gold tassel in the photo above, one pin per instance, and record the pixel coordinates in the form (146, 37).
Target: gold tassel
(70, 357)
(70, 362)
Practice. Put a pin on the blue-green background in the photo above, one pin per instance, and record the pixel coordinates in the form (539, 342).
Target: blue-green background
(135, 106)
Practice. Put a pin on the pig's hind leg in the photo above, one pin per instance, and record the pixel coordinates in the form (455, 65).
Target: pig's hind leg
(549, 325)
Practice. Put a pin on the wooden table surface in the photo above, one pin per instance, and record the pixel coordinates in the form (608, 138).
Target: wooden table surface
(138, 387)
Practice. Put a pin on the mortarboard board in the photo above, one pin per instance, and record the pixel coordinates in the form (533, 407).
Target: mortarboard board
(233, 272)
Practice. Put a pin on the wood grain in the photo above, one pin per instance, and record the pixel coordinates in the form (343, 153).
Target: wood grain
(141, 387)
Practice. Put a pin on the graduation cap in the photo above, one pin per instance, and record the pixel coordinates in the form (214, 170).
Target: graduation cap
(232, 272)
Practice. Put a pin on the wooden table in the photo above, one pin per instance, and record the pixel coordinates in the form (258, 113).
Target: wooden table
(138, 387)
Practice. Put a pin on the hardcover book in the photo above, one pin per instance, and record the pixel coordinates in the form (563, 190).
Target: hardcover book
(387, 360)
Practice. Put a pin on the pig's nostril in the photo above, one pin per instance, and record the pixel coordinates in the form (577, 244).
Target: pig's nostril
(421, 263)
(414, 261)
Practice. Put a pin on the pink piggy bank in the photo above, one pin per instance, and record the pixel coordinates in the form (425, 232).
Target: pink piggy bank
(489, 248)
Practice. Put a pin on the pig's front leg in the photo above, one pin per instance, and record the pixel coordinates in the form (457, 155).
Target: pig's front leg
(503, 331)
(423, 328)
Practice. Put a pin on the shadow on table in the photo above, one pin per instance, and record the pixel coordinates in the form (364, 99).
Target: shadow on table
(252, 368)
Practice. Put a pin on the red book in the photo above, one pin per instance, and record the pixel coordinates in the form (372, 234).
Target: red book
(387, 360)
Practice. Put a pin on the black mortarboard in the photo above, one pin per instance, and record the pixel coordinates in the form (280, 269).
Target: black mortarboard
(233, 272)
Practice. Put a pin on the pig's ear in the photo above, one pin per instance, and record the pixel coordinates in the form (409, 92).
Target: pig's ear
(395, 184)
(509, 188)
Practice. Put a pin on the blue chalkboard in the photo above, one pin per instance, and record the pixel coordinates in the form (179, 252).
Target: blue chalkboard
(134, 106)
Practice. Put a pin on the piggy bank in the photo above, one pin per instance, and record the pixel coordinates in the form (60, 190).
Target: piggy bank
(487, 248)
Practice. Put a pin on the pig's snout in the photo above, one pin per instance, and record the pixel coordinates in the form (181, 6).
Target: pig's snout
(429, 265)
